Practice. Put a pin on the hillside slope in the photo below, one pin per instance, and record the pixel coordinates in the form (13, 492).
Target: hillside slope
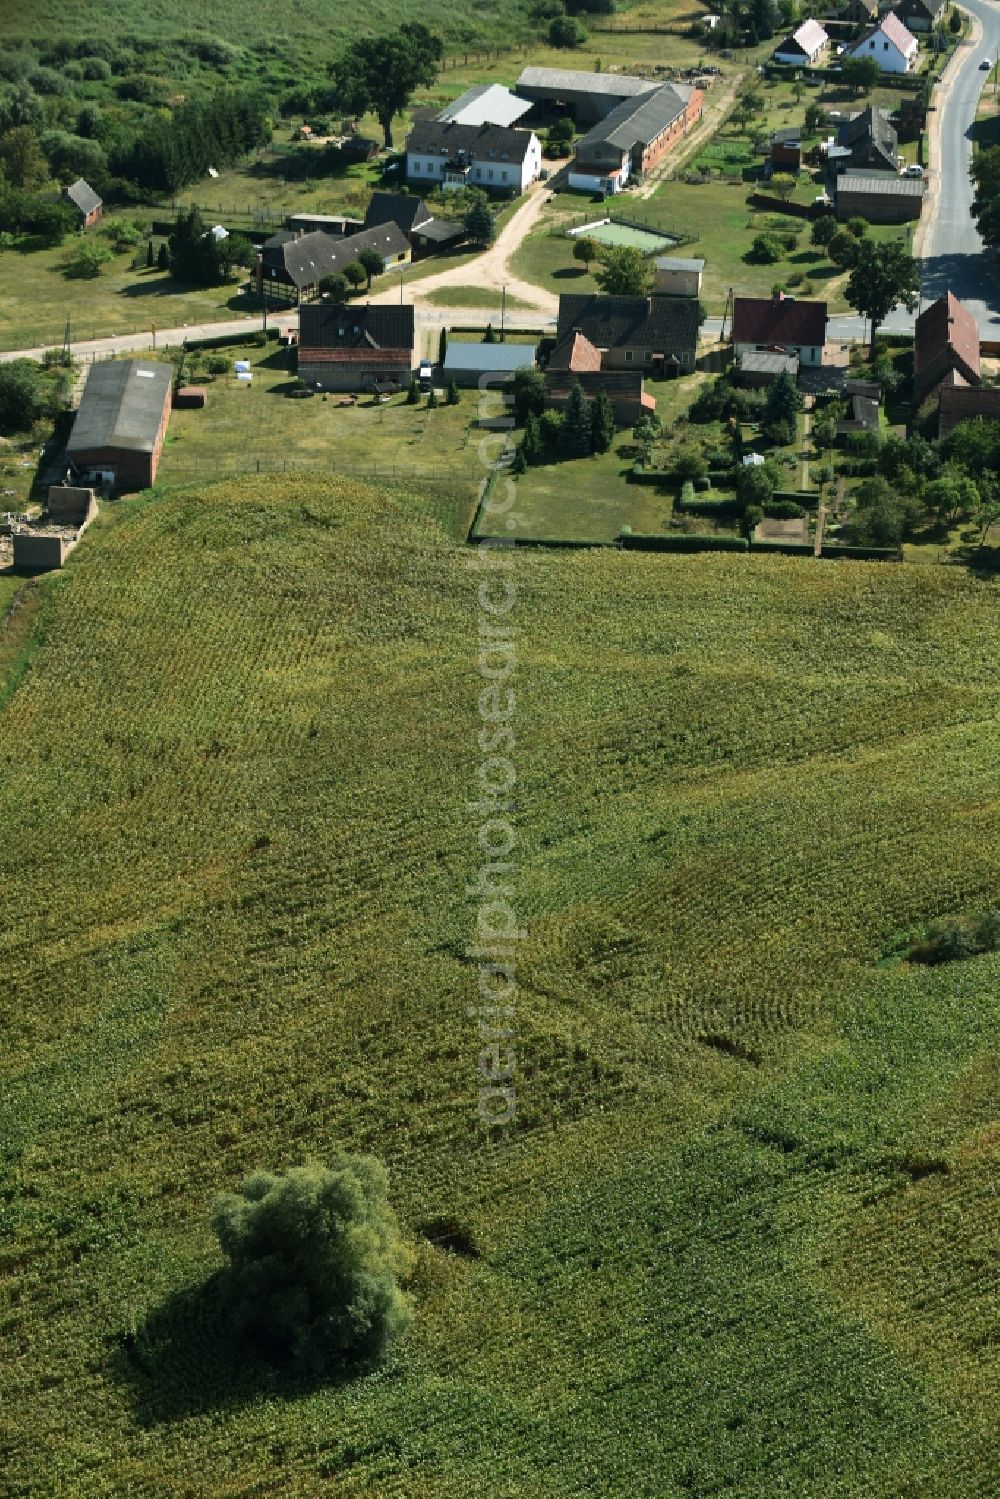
(741, 1236)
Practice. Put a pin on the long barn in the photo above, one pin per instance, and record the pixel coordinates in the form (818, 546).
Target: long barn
(119, 429)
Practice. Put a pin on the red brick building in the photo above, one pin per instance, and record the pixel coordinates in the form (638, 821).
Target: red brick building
(119, 429)
(945, 342)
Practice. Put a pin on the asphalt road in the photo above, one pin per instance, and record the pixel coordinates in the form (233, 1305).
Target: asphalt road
(953, 256)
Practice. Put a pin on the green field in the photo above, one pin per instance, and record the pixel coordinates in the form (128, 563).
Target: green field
(740, 1239)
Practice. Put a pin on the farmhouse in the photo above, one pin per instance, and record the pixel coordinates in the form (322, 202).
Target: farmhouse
(471, 364)
(920, 15)
(861, 12)
(879, 197)
(452, 156)
(657, 334)
(677, 277)
(119, 429)
(892, 46)
(414, 220)
(633, 138)
(575, 360)
(82, 197)
(485, 104)
(355, 347)
(585, 97)
(945, 342)
(870, 141)
(291, 266)
(805, 46)
(337, 224)
(963, 403)
(780, 324)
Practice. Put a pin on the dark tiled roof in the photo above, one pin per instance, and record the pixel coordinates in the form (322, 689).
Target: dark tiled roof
(122, 406)
(482, 142)
(958, 403)
(618, 385)
(334, 326)
(440, 231)
(83, 196)
(784, 321)
(639, 121)
(657, 323)
(309, 256)
(946, 327)
(402, 209)
(870, 126)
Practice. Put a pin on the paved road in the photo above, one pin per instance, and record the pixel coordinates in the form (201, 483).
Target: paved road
(952, 252)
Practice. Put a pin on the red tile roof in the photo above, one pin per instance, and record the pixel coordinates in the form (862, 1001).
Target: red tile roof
(575, 352)
(783, 321)
(946, 328)
(893, 28)
(964, 403)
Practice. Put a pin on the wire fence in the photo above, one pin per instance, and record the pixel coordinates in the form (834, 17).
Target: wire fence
(181, 470)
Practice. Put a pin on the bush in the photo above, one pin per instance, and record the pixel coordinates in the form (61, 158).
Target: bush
(766, 249)
(22, 396)
(315, 1256)
(784, 510)
(217, 364)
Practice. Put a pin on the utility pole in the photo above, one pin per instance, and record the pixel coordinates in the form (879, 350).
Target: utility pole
(67, 339)
(503, 310)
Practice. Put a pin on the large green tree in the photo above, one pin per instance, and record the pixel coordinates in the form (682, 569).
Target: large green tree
(884, 276)
(381, 72)
(22, 396)
(315, 1258)
(860, 73)
(986, 203)
(624, 271)
(22, 159)
(575, 437)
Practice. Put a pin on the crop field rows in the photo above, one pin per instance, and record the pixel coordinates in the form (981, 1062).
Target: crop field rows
(239, 921)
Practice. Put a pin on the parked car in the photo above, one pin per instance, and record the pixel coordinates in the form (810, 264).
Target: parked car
(913, 170)
(425, 374)
(985, 65)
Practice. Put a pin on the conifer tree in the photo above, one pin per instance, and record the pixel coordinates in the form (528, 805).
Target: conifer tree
(602, 423)
(575, 437)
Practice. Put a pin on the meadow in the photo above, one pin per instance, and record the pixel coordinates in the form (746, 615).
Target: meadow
(739, 1240)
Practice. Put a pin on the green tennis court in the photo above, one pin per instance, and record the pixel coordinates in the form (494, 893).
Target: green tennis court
(646, 240)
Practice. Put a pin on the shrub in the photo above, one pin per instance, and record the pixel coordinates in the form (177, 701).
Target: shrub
(766, 249)
(314, 1260)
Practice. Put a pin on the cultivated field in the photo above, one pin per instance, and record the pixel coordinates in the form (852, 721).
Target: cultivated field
(740, 1239)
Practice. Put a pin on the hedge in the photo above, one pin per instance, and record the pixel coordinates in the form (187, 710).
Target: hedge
(683, 543)
(702, 505)
(835, 549)
(228, 340)
(807, 497)
(784, 548)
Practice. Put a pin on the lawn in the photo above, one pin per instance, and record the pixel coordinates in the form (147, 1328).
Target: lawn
(740, 1238)
(259, 428)
(36, 299)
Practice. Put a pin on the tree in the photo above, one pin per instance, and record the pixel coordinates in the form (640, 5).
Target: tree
(824, 429)
(22, 396)
(783, 401)
(380, 73)
(413, 392)
(451, 391)
(602, 422)
(986, 202)
(87, 259)
(814, 118)
(843, 249)
(372, 262)
(822, 231)
(21, 158)
(335, 286)
(150, 255)
(355, 274)
(575, 437)
(954, 21)
(432, 399)
(479, 223)
(860, 73)
(755, 485)
(531, 442)
(489, 337)
(624, 271)
(528, 393)
(783, 184)
(566, 31)
(236, 252)
(163, 257)
(764, 18)
(315, 1258)
(586, 250)
(193, 254)
(884, 276)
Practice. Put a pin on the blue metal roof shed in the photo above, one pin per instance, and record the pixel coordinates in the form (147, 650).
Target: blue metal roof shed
(467, 363)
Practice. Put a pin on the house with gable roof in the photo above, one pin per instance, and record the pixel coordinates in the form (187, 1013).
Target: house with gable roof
(892, 46)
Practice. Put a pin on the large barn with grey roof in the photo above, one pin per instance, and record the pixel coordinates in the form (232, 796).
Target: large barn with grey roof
(119, 429)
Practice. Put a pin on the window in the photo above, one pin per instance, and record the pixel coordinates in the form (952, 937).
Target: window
(503, 176)
(628, 356)
(885, 46)
(490, 174)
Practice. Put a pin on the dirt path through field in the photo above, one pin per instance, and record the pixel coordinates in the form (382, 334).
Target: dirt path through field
(711, 119)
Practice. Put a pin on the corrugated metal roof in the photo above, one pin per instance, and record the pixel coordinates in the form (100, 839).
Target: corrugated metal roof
(485, 104)
(495, 357)
(880, 184)
(620, 84)
(639, 121)
(122, 406)
(676, 263)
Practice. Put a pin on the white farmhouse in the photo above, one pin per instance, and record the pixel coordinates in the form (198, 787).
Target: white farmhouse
(805, 46)
(890, 44)
(446, 154)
